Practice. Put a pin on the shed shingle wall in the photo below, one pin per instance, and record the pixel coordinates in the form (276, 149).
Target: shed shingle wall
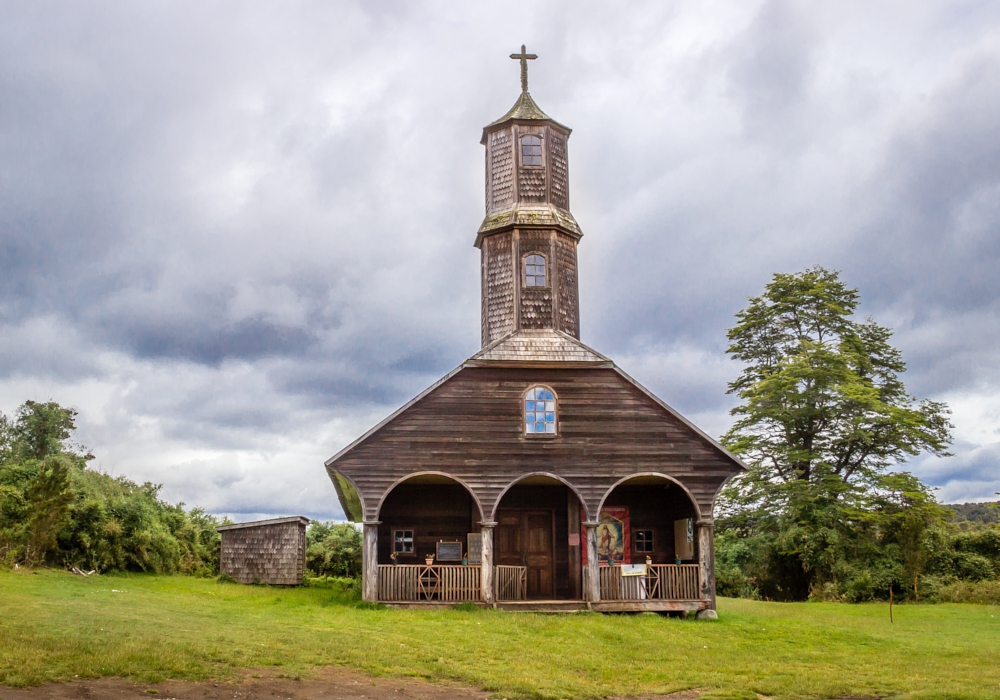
(272, 554)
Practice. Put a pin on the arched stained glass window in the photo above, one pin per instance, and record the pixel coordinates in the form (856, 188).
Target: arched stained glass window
(540, 411)
(531, 150)
(534, 271)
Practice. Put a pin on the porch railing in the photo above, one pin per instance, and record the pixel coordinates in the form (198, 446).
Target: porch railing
(660, 582)
(511, 582)
(415, 582)
(401, 583)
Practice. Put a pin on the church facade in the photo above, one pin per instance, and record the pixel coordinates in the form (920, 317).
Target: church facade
(537, 474)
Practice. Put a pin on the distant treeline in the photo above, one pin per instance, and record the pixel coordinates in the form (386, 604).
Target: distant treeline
(975, 512)
(55, 511)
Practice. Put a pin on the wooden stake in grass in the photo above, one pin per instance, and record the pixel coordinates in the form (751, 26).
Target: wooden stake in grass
(890, 605)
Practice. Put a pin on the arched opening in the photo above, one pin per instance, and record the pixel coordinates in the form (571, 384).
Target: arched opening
(538, 528)
(647, 542)
(423, 512)
(647, 516)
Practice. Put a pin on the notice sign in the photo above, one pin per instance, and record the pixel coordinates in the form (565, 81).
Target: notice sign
(475, 548)
(449, 551)
(633, 569)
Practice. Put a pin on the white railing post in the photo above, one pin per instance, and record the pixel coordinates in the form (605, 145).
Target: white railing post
(486, 565)
(593, 592)
(706, 560)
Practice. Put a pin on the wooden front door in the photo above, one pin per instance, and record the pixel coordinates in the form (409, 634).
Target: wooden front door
(525, 538)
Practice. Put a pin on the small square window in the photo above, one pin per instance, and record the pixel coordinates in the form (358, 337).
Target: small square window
(402, 541)
(643, 540)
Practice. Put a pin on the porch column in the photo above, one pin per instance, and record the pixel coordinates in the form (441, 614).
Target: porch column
(369, 562)
(706, 559)
(592, 593)
(486, 570)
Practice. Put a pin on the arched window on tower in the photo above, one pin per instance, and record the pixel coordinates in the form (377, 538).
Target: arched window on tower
(534, 270)
(540, 411)
(531, 150)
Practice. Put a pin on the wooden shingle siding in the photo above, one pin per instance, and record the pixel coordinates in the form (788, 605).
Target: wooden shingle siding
(267, 551)
(469, 427)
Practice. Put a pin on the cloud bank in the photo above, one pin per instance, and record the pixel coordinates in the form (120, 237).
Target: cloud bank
(236, 237)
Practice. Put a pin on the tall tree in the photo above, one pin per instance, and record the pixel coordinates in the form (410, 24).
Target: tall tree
(823, 414)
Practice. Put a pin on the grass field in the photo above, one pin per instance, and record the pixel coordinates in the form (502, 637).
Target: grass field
(56, 626)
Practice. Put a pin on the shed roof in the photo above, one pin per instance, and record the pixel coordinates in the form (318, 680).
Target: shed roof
(260, 523)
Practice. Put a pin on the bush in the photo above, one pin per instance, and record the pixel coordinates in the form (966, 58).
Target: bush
(981, 592)
(333, 549)
(54, 510)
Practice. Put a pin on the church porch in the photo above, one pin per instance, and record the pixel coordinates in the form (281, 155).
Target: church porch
(530, 557)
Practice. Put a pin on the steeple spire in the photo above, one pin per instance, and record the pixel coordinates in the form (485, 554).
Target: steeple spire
(524, 57)
(529, 237)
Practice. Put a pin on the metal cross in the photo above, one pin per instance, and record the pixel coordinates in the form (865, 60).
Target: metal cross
(524, 58)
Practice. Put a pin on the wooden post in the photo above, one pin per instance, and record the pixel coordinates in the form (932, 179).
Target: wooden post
(575, 556)
(369, 562)
(593, 592)
(706, 560)
(486, 570)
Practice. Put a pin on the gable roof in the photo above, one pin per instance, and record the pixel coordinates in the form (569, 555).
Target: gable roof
(532, 348)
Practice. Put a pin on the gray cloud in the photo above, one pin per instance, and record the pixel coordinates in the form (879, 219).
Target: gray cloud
(235, 237)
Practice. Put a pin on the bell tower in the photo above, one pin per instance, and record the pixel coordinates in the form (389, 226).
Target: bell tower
(529, 237)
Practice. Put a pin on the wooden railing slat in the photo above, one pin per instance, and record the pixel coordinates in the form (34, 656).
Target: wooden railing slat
(661, 582)
(402, 583)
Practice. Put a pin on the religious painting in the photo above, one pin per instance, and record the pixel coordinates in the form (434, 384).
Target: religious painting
(613, 536)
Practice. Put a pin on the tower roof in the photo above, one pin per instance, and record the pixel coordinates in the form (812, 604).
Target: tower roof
(525, 109)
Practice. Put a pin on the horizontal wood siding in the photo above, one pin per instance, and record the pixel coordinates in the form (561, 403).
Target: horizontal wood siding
(470, 428)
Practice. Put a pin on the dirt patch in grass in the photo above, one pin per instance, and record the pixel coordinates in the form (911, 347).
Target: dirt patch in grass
(328, 684)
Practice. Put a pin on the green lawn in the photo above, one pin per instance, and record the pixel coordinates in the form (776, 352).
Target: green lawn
(56, 626)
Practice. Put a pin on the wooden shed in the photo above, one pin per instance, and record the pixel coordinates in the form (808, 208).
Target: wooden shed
(265, 551)
(537, 474)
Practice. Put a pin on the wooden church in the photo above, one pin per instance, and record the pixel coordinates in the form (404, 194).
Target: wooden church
(537, 474)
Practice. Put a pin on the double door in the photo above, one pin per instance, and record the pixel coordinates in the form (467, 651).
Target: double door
(526, 538)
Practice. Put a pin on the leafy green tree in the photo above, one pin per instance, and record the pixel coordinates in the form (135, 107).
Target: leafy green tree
(333, 549)
(55, 510)
(823, 415)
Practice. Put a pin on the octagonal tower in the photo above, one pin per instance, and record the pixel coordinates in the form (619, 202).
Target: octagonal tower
(529, 237)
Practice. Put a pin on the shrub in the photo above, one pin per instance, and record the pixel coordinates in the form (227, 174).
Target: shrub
(333, 549)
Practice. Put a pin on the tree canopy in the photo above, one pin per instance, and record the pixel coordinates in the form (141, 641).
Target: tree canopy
(823, 416)
(55, 510)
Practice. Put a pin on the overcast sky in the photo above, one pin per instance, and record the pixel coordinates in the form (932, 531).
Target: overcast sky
(236, 235)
